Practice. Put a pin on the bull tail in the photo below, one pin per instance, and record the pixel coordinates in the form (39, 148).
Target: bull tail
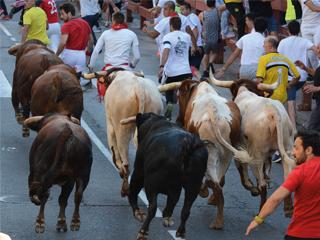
(141, 95)
(284, 155)
(241, 154)
(60, 152)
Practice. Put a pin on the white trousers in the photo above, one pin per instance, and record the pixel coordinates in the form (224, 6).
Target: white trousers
(308, 32)
(54, 36)
(75, 58)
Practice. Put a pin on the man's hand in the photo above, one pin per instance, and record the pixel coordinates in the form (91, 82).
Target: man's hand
(116, 9)
(300, 64)
(193, 51)
(251, 226)
(160, 73)
(310, 89)
(219, 73)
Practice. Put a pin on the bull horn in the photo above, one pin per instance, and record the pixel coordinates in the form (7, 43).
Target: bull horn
(94, 74)
(169, 86)
(36, 199)
(266, 87)
(139, 74)
(32, 120)
(14, 48)
(128, 120)
(219, 83)
(75, 120)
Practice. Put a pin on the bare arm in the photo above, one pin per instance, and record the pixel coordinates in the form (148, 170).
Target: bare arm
(62, 44)
(301, 65)
(164, 59)
(193, 39)
(312, 7)
(24, 33)
(270, 206)
(152, 33)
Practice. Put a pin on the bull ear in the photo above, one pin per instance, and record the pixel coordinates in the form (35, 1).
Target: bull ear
(33, 123)
(14, 49)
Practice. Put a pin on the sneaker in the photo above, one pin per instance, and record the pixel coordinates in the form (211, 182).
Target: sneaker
(168, 112)
(276, 158)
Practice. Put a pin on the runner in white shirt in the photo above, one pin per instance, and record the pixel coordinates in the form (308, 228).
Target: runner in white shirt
(310, 21)
(163, 27)
(175, 65)
(295, 48)
(196, 28)
(250, 47)
(118, 42)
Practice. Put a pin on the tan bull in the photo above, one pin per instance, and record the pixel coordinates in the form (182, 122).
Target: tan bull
(265, 128)
(127, 94)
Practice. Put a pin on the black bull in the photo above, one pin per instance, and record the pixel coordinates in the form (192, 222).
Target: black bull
(168, 158)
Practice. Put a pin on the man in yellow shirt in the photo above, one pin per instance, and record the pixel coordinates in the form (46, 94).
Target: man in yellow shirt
(34, 23)
(273, 64)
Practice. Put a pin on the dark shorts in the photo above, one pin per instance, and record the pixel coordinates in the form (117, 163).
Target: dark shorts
(272, 24)
(287, 237)
(195, 60)
(292, 92)
(211, 47)
(170, 96)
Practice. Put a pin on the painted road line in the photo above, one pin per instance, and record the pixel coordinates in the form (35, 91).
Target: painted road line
(13, 39)
(5, 30)
(173, 234)
(5, 87)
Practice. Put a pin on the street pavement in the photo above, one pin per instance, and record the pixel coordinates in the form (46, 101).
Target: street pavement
(104, 214)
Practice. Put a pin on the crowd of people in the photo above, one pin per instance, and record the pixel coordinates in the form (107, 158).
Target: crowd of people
(188, 44)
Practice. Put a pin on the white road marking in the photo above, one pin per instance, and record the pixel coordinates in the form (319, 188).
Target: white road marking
(13, 39)
(5, 87)
(173, 234)
(5, 30)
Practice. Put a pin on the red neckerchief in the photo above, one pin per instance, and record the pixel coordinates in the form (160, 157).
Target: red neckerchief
(173, 14)
(117, 27)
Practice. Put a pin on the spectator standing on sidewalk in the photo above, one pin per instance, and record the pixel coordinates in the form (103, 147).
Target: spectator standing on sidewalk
(295, 48)
(211, 25)
(304, 181)
(90, 10)
(34, 23)
(250, 47)
(236, 9)
(50, 7)
(75, 38)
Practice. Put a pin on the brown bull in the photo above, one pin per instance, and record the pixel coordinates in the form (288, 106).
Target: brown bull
(61, 154)
(32, 62)
(57, 90)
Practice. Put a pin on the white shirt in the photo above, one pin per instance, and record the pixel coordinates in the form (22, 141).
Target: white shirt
(178, 60)
(316, 36)
(195, 22)
(295, 48)
(163, 27)
(310, 17)
(89, 7)
(252, 47)
(117, 47)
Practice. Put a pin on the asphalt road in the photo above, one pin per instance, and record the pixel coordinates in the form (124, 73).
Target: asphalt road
(104, 214)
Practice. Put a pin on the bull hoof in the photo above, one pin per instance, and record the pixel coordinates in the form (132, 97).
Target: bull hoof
(168, 221)
(40, 226)
(25, 134)
(142, 235)
(180, 234)
(217, 225)
(75, 224)
(139, 215)
(61, 225)
(204, 192)
(212, 200)
(255, 191)
(125, 188)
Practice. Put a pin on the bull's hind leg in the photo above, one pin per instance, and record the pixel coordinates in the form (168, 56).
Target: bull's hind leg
(219, 200)
(172, 199)
(40, 224)
(245, 179)
(152, 209)
(81, 185)
(136, 184)
(66, 189)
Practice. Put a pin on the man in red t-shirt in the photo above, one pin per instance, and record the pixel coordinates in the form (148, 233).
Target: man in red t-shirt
(53, 32)
(75, 39)
(304, 181)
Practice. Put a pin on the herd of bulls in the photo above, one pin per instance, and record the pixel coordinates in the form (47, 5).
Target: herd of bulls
(193, 154)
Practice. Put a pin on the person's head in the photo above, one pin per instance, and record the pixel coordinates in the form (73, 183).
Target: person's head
(211, 3)
(306, 146)
(250, 20)
(175, 24)
(67, 12)
(168, 8)
(260, 24)
(117, 18)
(294, 28)
(185, 8)
(270, 44)
(29, 3)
